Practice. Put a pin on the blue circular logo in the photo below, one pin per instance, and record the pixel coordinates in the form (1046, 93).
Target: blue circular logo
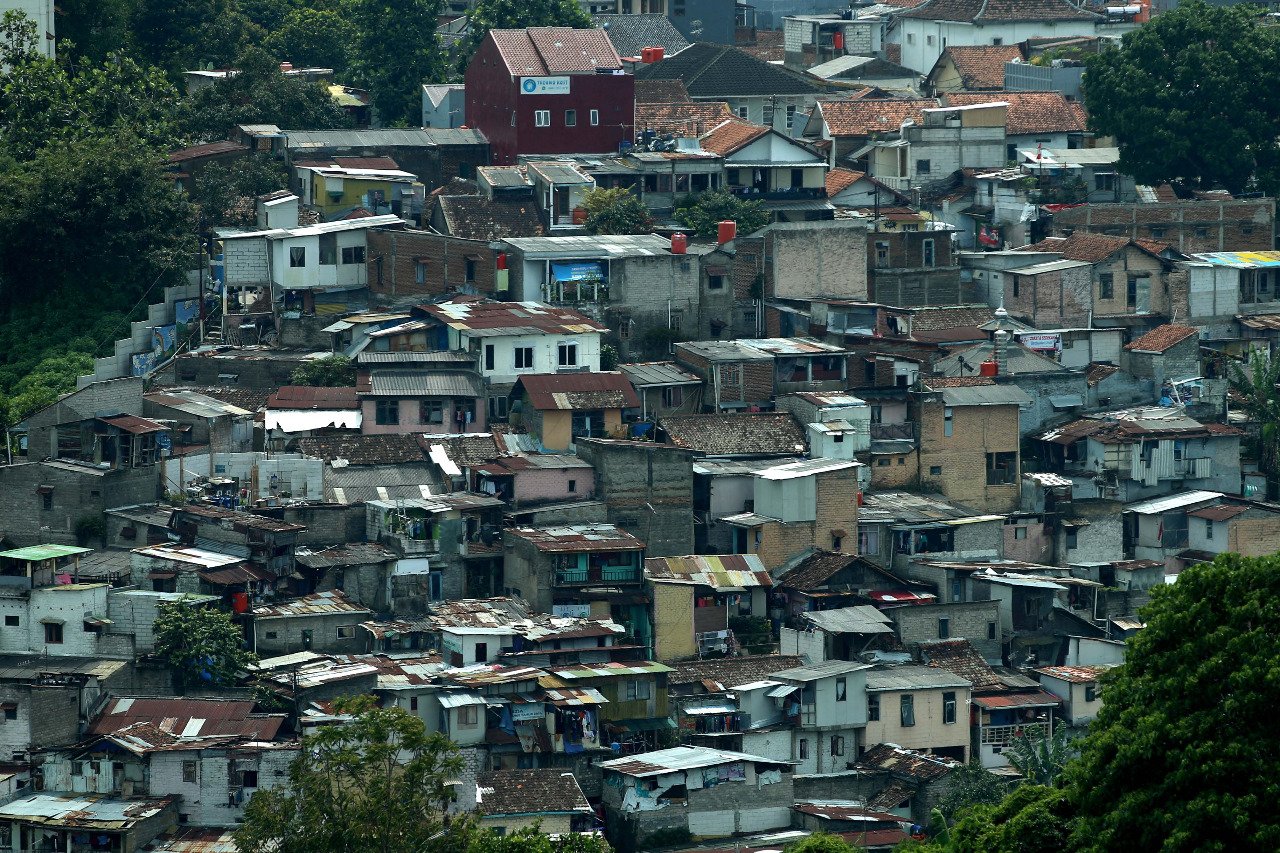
(530, 85)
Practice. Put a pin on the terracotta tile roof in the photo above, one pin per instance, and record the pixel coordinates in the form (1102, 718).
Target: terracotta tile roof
(867, 116)
(682, 119)
(745, 434)
(1161, 338)
(631, 34)
(960, 316)
(981, 67)
(1029, 112)
(933, 383)
(478, 217)
(548, 790)
(769, 46)
(839, 180)
(1007, 11)
(309, 397)
(907, 762)
(1097, 371)
(577, 391)
(363, 449)
(732, 135)
(1155, 247)
(1080, 246)
(661, 92)
(458, 186)
(816, 570)
(540, 51)
(961, 658)
(723, 673)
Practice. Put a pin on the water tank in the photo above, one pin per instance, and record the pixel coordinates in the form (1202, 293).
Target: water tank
(679, 244)
(988, 368)
(726, 231)
(659, 53)
(579, 215)
(646, 55)
(500, 262)
(837, 40)
(240, 602)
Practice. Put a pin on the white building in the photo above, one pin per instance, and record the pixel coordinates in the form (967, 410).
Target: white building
(42, 13)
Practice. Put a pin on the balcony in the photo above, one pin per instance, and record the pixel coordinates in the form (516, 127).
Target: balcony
(598, 575)
(1004, 736)
(789, 194)
(892, 432)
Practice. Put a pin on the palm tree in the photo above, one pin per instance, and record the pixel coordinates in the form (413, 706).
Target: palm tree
(1256, 382)
(1040, 756)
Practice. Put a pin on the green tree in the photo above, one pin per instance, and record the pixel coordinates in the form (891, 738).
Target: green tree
(313, 38)
(616, 211)
(54, 376)
(259, 94)
(181, 35)
(1256, 382)
(821, 842)
(225, 194)
(1032, 819)
(971, 785)
(92, 29)
(396, 51)
(1040, 757)
(1191, 98)
(531, 840)
(1182, 754)
(202, 646)
(378, 783)
(517, 14)
(332, 371)
(702, 213)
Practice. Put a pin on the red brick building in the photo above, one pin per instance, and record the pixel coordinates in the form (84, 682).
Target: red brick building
(549, 90)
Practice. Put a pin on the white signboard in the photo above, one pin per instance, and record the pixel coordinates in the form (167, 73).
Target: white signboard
(544, 85)
(582, 611)
(1044, 341)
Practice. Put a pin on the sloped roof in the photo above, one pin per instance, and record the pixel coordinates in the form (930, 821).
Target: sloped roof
(722, 673)
(511, 318)
(981, 67)
(840, 179)
(683, 119)
(1083, 246)
(1002, 11)
(732, 135)
(1162, 338)
(313, 398)
(185, 717)
(548, 790)
(908, 762)
(868, 116)
(316, 604)
(363, 449)
(478, 217)
(575, 391)
(719, 71)
(960, 657)
(744, 434)
(661, 92)
(539, 51)
(1030, 112)
(630, 34)
(721, 572)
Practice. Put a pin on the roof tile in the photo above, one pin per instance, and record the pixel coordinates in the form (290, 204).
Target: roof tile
(1162, 338)
(1029, 112)
(981, 67)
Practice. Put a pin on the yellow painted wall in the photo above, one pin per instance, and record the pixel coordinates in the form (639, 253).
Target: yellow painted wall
(557, 430)
(673, 621)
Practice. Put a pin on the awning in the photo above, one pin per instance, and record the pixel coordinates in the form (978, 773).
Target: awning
(236, 574)
(716, 709)
(52, 620)
(784, 690)
(459, 700)
(578, 271)
(161, 576)
(1040, 699)
(1066, 401)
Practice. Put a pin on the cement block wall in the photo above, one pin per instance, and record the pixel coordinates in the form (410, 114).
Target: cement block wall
(647, 489)
(968, 620)
(76, 495)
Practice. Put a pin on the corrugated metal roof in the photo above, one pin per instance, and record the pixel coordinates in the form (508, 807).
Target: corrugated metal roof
(680, 758)
(1165, 503)
(610, 670)
(1039, 699)
(579, 537)
(1074, 674)
(914, 678)
(194, 403)
(731, 571)
(396, 383)
(985, 395)
(658, 373)
(824, 669)
(186, 717)
(316, 604)
(383, 138)
(34, 553)
(197, 558)
(859, 619)
(83, 811)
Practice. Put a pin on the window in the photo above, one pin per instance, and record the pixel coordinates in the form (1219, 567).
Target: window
(873, 707)
(595, 118)
(353, 254)
(911, 38)
(11, 712)
(413, 703)
(944, 628)
(804, 748)
(52, 632)
(730, 374)
(715, 282)
(1019, 533)
(637, 689)
(882, 254)
(431, 412)
(1072, 541)
(1015, 287)
(997, 41)
(948, 424)
(1002, 468)
(841, 689)
(249, 778)
(991, 630)
(387, 412)
(542, 118)
(272, 635)
(672, 396)
(470, 270)
(935, 470)
(1090, 692)
(482, 652)
(908, 710)
(677, 8)
(1157, 231)
(926, 253)
(1208, 529)
(570, 118)
(420, 272)
(297, 256)
(488, 356)
(12, 621)
(1202, 232)
(837, 745)
(1104, 181)
(46, 500)
(741, 111)
(524, 358)
(882, 463)
(948, 708)
(573, 486)
(1106, 286)
(467, 715)
(922, 167)
(928, 39)
(190, 772)
(567, 355)
(791, 116)
(1131, 292)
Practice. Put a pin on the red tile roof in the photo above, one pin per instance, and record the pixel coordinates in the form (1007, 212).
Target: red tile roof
(1080, 246)
(1029, 112)
(555, 50)
(981, 67)
(961, 658)
(839, 180)
(1161, 338)
(867, 116)
(576, 391)
(731, 136)
(682, 119)
(310, 397)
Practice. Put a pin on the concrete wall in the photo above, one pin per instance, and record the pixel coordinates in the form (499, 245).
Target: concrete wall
(930, 731)
(76, 495)
(817, 259)
(648, 489)
(961, 458)
(967, 620)
(288, 633)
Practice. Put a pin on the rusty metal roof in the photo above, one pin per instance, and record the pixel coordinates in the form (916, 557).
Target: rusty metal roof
(1074, 674)
(188, 718)
(578, 537)
(575, 391)
(194, 840)
(316, 604)
(133, 424)
(1038, 699)
(511, 318)
(490, 674)
(728, 571)
(908, 762)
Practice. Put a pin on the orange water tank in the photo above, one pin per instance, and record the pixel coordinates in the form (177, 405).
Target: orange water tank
(500, 262)
(659, 53)
(988, 368)
(726, 231)
(837, 40)
(679, 244)
(579, 215)
(646, 55)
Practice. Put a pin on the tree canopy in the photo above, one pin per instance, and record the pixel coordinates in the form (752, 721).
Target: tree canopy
(616, 211)
(396, 51)
(1257, 382)
(702, 213)
(202, 646)
(331, 371)
(1191, 98)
